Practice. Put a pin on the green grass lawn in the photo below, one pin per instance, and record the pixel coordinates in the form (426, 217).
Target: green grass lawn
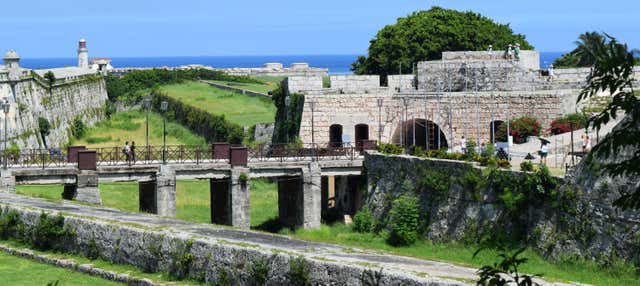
(17, 271)
(237, 108)
(130, 126)
(256, 87)
(193, 205)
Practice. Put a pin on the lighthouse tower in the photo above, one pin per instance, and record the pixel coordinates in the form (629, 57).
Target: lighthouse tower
(83, 54)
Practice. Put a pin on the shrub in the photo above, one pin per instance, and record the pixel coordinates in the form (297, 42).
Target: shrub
(92, 251)
(526, 166)
(364, 221)
(298, 272)
(390, 149)
(565, 123)
(79, 128)
(404, 221)
(48, 234)
(10, 223)
(519, 128)
(259, 272)
(223, 278)
(181, 260)
(502, 163)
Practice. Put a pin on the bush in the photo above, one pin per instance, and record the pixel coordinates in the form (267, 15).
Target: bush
(48, 234)
(259, 272)
(502, 163)
(526, 166)
(390, 149)
(79, 128)
(298, 272)
(403, 220)
(520, 128)
(364, 221)
(10, 223)
(565, 123)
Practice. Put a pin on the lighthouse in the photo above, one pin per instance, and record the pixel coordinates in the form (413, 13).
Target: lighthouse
(83, 54)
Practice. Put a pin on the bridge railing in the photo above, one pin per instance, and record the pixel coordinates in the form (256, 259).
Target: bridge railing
(176, 154)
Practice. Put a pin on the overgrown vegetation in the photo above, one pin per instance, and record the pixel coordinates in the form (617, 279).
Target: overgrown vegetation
(78, 128)
(298, 274)
(389, 149)
(364, 221)
(567, 123)
(403, 221)
(45, 128)
(520, 128)
(288, 115)
(505, 272)
(259, 272)
(424, 35)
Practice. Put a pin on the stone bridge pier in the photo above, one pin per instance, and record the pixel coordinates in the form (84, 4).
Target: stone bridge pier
(230, 199)
(158, 195)
(300, 198)
(84, 189)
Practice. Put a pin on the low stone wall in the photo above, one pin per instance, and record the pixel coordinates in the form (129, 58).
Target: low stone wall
(207, 259)
(578, 220)
(235, 89)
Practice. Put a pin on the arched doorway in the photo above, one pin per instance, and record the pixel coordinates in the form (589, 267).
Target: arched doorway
(361, 133)
(335, 135)
(426, 135)
(494, 126)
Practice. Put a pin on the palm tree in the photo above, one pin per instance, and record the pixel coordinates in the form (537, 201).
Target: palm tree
(589, 44)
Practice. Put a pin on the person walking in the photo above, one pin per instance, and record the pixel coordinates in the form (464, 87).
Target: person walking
(133, 151)
(126, 151)
(544, 150)
(516, 51)
(552, 74)
(463, 145)
(587, 147)
(585, 141)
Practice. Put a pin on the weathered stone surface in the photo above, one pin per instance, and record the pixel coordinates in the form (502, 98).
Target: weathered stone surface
(87, 187)
(239, 197)
(311, 196)
(166, 191)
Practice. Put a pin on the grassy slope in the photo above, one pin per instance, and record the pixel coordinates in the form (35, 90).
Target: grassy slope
(130, 126)
(193, 205)
(237, 108)
(21, 271)
(257, 87)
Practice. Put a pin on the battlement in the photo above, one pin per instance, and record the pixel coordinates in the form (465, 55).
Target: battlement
(527, 59)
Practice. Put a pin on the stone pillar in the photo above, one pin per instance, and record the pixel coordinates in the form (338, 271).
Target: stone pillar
(166, 191)
(219, 190)
(147, 197)
(87, 187)
(239, 198)
(311, 196)
(7, 181)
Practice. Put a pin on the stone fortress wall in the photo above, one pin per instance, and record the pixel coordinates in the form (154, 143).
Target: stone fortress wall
(493, 86)
(268, 69)
(76, 92)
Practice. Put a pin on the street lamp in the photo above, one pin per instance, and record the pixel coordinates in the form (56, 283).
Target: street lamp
(5, 108)
(163, 107)
(147, 105)
(380, 102)
(312, 105)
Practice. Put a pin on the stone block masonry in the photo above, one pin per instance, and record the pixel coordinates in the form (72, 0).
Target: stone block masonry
(159, 244)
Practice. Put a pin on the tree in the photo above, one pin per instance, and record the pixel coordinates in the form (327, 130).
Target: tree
(50, 77)
(505, 272)
(45, 129)
(424, 35)
(612, 72)
(582, 55)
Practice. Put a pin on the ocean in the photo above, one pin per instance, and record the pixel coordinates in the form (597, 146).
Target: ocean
(337, 64)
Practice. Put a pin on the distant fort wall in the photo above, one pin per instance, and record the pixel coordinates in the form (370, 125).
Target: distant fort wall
(268, 69)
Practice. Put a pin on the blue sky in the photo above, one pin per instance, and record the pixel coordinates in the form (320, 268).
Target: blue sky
(118, 28)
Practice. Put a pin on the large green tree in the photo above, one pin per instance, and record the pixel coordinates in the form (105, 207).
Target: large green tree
(424, 35)
(582, 55)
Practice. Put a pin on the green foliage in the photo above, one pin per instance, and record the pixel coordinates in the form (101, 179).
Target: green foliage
(505, 272)
(44, 126)
(298, 274)
(109, 109)
(78, 128)
(10, 223)
(48, 233)
(566, 123)
(214, 128)
(181, 260)
(259, 272)
(92, 250)
(243, 177)
(50, 78)
(130, 86)
(424, 35)
(364, 221)
(526, 166)
(612, 72)
(434, 182)
(403, 221)
(582, 55)
(520, 128)
(53, 283)
(389, 149)
(223, 278)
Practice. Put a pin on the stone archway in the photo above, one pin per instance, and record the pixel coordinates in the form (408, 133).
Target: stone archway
(335, 135)
(428, 135)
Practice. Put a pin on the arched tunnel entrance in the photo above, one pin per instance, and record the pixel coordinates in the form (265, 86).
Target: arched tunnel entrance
(428, 134)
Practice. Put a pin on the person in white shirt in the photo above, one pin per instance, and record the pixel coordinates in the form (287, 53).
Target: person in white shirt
(544, 150)
(551, 73)
(463, 145)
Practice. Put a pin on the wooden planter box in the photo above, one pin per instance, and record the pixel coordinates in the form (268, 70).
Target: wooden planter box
(239, 156)
(87, 160)
(220, 151)
(72, 153)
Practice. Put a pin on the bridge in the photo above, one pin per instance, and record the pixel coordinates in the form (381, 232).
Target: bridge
(312, 178)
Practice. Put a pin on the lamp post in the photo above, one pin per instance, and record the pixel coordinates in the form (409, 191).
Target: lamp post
(312, 105)
(163, 107)
(5, 108)
(380, 102)
(147, 105)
